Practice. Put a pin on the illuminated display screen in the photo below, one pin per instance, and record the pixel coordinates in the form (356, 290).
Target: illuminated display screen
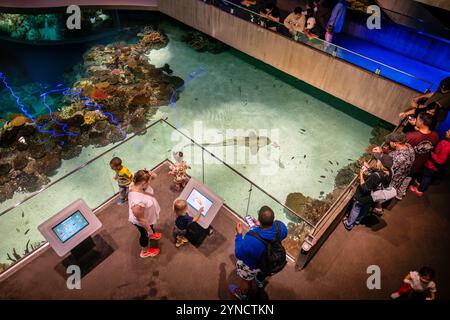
(197, 200)
(69, 227)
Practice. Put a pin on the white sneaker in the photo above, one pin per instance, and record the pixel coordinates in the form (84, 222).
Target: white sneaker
(395, 295)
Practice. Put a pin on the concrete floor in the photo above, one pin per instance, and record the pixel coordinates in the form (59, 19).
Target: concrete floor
(414, 233)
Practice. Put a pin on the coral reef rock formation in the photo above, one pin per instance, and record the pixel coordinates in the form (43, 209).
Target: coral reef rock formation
(119, 91)
(204, 43)
(306, 207)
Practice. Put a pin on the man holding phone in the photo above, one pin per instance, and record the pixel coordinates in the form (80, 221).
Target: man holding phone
(249, 250)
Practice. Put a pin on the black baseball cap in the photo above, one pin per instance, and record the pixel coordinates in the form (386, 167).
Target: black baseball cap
(399, 137)
(386, 160)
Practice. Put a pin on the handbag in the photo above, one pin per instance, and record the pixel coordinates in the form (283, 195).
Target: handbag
(383, 194)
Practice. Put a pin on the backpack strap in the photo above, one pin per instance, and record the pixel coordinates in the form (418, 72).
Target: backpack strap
(265, 241)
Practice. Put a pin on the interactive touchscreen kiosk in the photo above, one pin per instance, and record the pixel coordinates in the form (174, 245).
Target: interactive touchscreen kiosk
(70, 227)
(197, 195)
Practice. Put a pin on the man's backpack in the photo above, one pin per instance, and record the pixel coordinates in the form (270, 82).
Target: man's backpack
(273, 259)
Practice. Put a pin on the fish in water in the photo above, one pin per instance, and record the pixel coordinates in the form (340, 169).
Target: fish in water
(321, 192)
(319, 181)
(304, 157)
(303, 130)
(323, 177)
(252, 141)
(330, 162)
(349, 159)
(281, 165)
(23, 214)
(326, 169)
(26, 231)
(337, 163)
(292, 158)
(17, 229)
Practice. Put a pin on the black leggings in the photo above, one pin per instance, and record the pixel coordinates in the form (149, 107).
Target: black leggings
(143, 239)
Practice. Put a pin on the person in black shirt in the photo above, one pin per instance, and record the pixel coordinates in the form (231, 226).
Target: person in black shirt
(372, 178)
(182, 221)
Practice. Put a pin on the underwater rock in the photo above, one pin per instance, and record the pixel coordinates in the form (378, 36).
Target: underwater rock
(345, 175)
(72, 152)
(8, 136)
(27, 182)
(49, 163)
(152, 39)
(5, 168)
(7, 191)
(75, 121)
(137, 119)
(26, 130)
(20, 162)
(204, 43)
(307, 207)
(37, 151)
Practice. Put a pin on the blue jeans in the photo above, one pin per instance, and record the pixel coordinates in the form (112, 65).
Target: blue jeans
(427, 176)
(359, 212)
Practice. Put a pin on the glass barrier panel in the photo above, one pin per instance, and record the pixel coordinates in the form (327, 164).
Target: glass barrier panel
(93, 183)
(227, 184)
(297, 228)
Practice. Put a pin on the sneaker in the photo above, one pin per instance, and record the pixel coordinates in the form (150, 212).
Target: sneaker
(415, 191)
(395, 295)
(399, 197)
(260, 284)
(236, 292)
(347, 226)
(378, 211)
(210, 231)
(121, 202)
(156, 236)
(149, 252)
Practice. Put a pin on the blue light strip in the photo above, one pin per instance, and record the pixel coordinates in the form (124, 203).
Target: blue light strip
(66, 92)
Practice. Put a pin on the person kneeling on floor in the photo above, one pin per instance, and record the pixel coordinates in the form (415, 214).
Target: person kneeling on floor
(180, 207)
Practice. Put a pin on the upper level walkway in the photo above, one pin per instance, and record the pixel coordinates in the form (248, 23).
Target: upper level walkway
(138, 4)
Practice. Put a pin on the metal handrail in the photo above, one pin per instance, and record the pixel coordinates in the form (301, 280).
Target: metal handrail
(78, 168)
(334, 45)
(240, 174)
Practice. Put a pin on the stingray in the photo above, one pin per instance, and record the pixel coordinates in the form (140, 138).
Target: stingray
(251, 141)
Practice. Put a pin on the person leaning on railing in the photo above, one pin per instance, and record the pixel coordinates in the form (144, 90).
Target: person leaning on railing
(431, 100)
(295, 22)
(372, 177)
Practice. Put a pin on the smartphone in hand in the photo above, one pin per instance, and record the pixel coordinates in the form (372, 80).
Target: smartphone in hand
(250, 221)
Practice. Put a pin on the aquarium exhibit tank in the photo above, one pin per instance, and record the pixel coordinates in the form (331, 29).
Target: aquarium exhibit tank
(66, 98)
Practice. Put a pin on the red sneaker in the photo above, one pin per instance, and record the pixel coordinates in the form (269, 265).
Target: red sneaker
(415, 191)
(156, 236)
(150, 252)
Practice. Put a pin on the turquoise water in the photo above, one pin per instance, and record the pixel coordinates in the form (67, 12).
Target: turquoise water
(226, 98)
